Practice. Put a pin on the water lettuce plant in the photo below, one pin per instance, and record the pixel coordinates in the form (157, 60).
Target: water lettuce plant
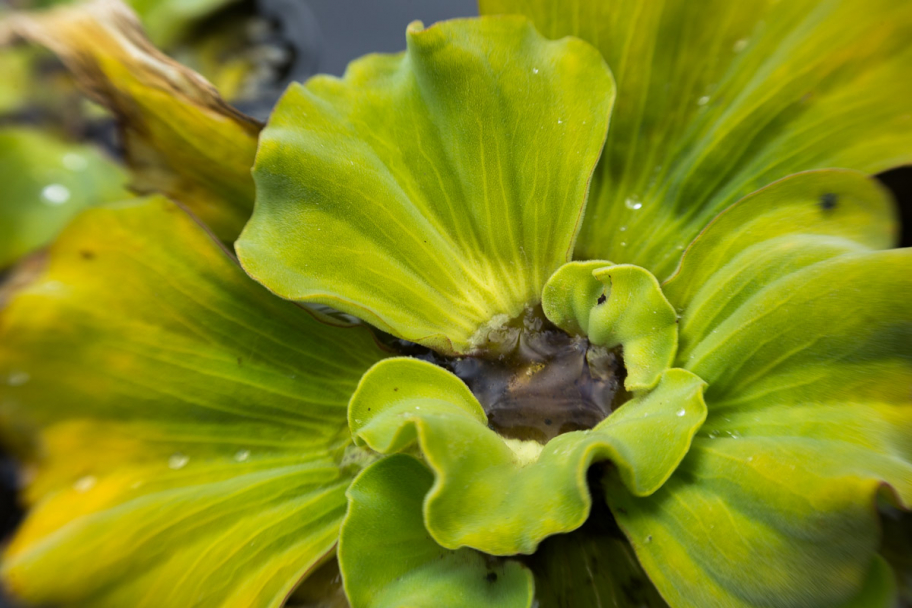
(464, 340)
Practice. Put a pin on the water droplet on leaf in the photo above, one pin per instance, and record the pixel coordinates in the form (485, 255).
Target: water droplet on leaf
(633, 203)
(84, 484)
(178, 461)
(242, 455)
(55, 194)
(17, 378)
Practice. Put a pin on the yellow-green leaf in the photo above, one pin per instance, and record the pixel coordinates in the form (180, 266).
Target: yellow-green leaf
(616, 305)
(431, 193)
(717, 99)
(45, 182)
(188, 428)
(388, 560)
(804, 335)
(180, 137)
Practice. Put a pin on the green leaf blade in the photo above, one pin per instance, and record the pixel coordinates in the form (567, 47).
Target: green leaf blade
(748, 521)
(187, 428)
(828, 203)
(388, 559)
(718, 100)
(47, 182)
(431, 193)
(803, 332)
(180, 138)
(616, 305)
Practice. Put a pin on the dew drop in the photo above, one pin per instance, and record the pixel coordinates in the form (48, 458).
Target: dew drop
(681, 412)
(17, 378)
(559, 121)
(178, 461)
(740, 45)
(55, 194)
(535, 70)
(242, 455)
(75, 162)
(623, 228)
(633, 203)
(703, 100)
(623, 244)
(84, 484)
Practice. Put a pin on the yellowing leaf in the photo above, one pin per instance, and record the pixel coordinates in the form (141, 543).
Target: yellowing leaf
(180, 137)
(189, 428)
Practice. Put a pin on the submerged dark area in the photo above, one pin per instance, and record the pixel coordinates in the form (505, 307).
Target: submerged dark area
(534, 381)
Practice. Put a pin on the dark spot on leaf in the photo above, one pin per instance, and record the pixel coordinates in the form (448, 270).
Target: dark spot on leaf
(395, 388)
(368, 409)
(829, 201)
(602, 298)
(548, 421)
(491, 577)
(87, 255)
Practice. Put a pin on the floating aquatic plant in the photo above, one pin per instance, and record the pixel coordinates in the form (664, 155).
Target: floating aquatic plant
(478, 346)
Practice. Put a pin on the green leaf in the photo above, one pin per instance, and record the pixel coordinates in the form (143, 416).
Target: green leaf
(771, 234)
(431, 193)
(616, 305)
(388, 560)
(189, 429)
(485, 484)
(180, 138)
(719, 98)
(828, 203)
(843, 322)
(46, 182)
(809, 363)
(758, 521)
